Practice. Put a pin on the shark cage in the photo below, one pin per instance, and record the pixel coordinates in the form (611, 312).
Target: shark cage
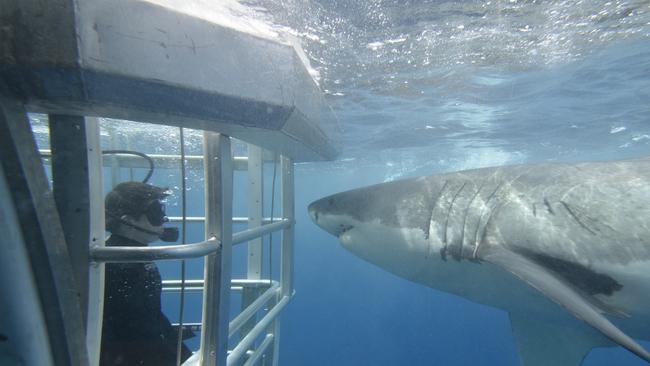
(80, 62)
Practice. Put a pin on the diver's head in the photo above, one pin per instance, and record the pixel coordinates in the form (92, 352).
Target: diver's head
(135, 210)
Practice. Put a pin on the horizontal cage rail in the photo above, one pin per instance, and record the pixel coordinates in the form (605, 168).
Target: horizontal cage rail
(235, 220)
(254, 356)
(259, 231)
(174, 285)
(172, 252)
(163, 161)
(148, 254)
(249, 340)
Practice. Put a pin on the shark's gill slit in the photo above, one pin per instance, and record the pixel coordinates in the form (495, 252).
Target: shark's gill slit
(469, 205)
(451, 207)
(548, 206)
(575, 217)
(433, 207)
(485, 208)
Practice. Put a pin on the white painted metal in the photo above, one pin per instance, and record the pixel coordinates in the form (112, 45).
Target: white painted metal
(235, 220)
(40, 249)
(250, 311)
(218, 205)
(197, 285)
(96, 240)
(261, 91)
(286, 259)
(260, 327)
(249, 296)
(248, 234)
(175, 286)
(163, 161)
(22, 313)
(287, 196)
(255, 357)
(255, 185)
(137, 254)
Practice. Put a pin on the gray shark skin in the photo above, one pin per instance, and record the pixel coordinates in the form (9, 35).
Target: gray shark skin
(565, 249)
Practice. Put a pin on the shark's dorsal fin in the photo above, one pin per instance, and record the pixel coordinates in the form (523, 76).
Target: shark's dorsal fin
(542, 344)
(553, 287)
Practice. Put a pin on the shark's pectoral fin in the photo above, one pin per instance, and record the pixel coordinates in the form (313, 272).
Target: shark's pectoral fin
(563, 294)
(542, 344)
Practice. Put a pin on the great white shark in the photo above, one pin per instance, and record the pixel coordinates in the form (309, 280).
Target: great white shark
(563, 248)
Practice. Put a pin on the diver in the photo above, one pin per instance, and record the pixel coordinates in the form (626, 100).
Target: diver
(135, 330)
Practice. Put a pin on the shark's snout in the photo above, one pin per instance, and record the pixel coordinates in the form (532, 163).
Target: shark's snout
(322, 215)
(323, 206)
(313, 213)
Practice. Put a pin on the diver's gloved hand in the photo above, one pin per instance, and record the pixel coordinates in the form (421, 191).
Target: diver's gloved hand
(169, 234)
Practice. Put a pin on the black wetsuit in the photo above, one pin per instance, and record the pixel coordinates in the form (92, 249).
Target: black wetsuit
(135, 331)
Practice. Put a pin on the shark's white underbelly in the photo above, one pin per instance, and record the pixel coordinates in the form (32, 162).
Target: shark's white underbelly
(487, 284)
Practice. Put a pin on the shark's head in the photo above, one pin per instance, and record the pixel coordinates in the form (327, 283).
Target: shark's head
(385, 224)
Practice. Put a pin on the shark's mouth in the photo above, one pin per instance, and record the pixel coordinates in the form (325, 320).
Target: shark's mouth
(343, 229)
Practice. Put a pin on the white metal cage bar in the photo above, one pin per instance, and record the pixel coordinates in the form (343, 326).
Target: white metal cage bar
(255, 212)
(96, 270)
(164, 161)
(217, 273)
